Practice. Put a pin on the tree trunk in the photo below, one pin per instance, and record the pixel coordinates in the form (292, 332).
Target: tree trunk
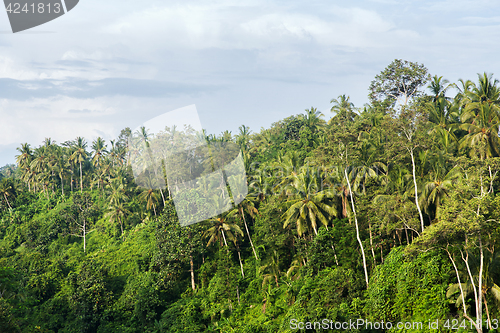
(371, 243)
(487, 313)
(357, 228)
(121, 227)
(334, 252)
(62, 185)
(335, 255)
(225, 243)
(193, 285)
(81, 179)
(416, 188)
(241, 264)
(248, 233)
(478, 323)
(462, 294)
(163, 198)
(84, 237)
(491, 190)
(191, 263)
(8, 204)
(480, 287)
(344, 204)
(381, 253)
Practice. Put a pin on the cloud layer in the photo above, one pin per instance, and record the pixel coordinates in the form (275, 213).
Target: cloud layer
(107, 65)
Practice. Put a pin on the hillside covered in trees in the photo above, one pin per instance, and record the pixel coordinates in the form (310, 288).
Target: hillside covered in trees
(389, 212)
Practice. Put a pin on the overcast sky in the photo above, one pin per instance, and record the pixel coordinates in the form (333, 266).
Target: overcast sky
(110, 64)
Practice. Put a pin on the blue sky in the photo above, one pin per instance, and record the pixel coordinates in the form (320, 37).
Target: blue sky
(107, 65)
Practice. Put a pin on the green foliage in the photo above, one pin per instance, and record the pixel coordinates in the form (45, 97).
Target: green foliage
(410, 289)
(84, 249)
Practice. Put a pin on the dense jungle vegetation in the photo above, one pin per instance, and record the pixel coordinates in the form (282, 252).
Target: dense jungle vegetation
(389, 212)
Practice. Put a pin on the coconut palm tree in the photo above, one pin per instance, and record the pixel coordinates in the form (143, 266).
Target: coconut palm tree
(481, 120)
(245, 205)
(117, 212)
(486, 91)
(271, 270)
(243, 138)
(438, 87)
(59, 164)
(79, 155)
(221, 225)
(439, 184)
(98, 154)
(289, 166)
(7, 189)
(308, 202)
(312, 119)
(368, 166)
(40, 167)
(343, 109)
(116, 191)
(151, 199)
(24, 160)
(441, 115)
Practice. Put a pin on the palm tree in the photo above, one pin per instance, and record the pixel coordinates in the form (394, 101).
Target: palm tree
(246, 205)
(40, 166)
(357, 226)
(7, 190)
(336, 181)
(271, 270)
(439, 184)
(29, 177)
(116, 212)
(395, 207)
(289, 166)
(438, 88)
(24, 160)
(243, 138)
(116, 191)
(312, 119)
(344, 110)
(441, 114)
(59, 164)
(99, 151)
(481, 121)
(480, 116)
(260, 184)
(309, 202)
(368, 166)
(79, 156)
(146, 138)
(486, 91)
(222, 225)
(151, 199)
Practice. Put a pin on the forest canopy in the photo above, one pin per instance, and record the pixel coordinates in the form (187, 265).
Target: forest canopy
(389, 211)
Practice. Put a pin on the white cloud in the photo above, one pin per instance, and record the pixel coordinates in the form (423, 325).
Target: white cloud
(39, 118)
(241, 27)
(14, 70)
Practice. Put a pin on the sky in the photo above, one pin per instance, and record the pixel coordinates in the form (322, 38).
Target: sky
(106, 65)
